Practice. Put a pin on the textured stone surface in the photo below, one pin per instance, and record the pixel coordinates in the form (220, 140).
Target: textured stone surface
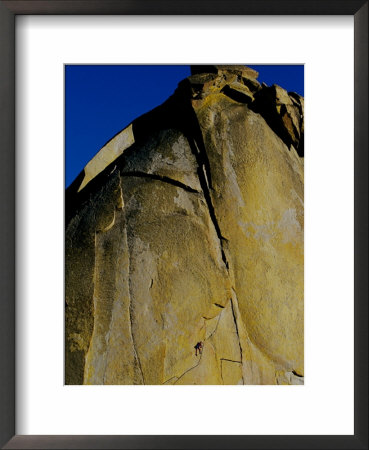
(109, 153)
(191, 231)
(224, 69)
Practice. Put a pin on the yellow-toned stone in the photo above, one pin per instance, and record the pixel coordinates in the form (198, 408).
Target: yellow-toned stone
(109, 153)
(231, 372)
(226, 69)
(196, 235)
(258, 197)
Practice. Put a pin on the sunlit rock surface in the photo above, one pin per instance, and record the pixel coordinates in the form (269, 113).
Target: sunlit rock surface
(188, 227)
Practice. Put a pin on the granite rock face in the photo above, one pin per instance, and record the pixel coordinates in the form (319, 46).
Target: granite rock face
(187, 227)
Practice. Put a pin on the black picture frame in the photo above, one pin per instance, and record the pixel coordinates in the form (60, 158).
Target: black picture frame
(8, 11)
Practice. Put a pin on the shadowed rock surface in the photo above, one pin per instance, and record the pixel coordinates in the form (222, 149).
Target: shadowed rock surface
(187, 227)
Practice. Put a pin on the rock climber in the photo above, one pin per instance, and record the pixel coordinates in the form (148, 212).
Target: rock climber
(198, 348)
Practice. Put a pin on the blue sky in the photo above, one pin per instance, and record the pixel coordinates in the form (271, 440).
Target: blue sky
(102, 100)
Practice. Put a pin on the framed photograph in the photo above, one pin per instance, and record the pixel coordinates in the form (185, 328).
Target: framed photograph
(184, 224)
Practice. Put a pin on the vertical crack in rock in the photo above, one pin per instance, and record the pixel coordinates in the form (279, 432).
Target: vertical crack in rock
(121, 206)
(107, 338)
(221, 366)
(237, 331)
(130, 324)
(197, 146)
(221, 371)
(196, 142)
(108, 334)
(204, 176)
(132, 335)
(117, 208)
(93, 308)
